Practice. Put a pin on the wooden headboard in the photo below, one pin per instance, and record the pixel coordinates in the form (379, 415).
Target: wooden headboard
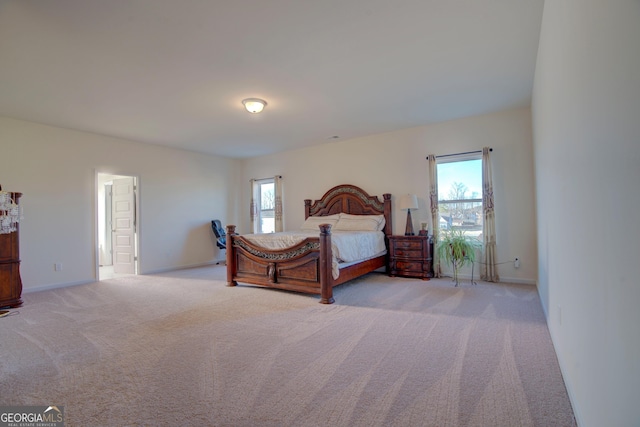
(352, 200)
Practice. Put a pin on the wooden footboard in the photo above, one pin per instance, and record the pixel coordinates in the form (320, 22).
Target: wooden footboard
(305, 267)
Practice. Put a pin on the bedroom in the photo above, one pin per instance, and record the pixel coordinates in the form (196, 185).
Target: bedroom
(55, 169)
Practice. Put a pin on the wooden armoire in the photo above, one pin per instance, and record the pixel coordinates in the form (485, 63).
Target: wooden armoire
(10, 282)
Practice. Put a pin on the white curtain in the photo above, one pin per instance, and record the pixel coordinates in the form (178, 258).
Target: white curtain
(253, 207)
(489, 271)
(435, 215)
(279, 223)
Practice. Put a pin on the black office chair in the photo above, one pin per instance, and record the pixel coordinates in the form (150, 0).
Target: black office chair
(221, 235)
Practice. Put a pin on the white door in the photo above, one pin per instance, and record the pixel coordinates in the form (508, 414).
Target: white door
(107, 254)
(123, 225)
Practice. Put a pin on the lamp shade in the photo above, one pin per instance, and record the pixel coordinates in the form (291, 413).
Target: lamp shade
(408, 201)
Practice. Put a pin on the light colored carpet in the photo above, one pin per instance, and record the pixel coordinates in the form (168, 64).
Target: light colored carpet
(182, 349)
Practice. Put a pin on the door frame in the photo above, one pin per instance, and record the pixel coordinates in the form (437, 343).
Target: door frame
(100, 178)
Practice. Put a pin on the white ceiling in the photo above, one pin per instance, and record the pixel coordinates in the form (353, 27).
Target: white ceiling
(174, 72)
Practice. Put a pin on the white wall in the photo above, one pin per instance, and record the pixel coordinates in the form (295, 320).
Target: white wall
(586, 110)
(396, 163)
(55, 169)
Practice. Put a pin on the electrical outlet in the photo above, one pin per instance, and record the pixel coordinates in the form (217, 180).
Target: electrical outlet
(57, 266)
(516, 263)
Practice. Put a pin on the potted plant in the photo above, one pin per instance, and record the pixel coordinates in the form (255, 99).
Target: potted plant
(457, 249)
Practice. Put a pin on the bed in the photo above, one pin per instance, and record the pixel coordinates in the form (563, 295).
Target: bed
(309, 266)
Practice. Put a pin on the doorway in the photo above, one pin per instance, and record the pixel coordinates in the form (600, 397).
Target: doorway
(117, 225)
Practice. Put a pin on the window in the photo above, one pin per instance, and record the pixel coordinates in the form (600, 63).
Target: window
(460, 194)
(266, 206)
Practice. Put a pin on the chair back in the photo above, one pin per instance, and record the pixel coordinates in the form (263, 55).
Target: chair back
(221, 235)
(218, 230)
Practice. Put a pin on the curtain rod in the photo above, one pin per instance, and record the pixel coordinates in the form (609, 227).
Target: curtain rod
(460, 154)
(262, 179)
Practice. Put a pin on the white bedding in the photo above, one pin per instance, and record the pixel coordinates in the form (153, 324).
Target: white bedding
(346, 246)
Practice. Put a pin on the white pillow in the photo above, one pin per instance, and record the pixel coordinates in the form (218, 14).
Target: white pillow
(313, 222)
(348, 222)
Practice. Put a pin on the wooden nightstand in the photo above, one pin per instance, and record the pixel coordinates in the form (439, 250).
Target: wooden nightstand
(410, 256)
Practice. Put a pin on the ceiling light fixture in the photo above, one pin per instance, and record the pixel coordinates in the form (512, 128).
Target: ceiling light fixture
(254, 105)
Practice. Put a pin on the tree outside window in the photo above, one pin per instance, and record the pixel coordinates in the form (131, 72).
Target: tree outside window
(460, 195)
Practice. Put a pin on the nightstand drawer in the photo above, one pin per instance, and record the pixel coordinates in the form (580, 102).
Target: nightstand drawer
(408, 253)
(408, 244)
(409, 266)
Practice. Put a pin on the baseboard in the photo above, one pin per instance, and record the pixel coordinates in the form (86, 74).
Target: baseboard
(183, 267)
(26, 290)
(577, 411)
(516, 280)
(55, 286)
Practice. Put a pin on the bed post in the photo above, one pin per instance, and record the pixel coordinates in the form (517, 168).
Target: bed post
(326, 290)
(231, 267)
(387, 213)
(307, 208)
